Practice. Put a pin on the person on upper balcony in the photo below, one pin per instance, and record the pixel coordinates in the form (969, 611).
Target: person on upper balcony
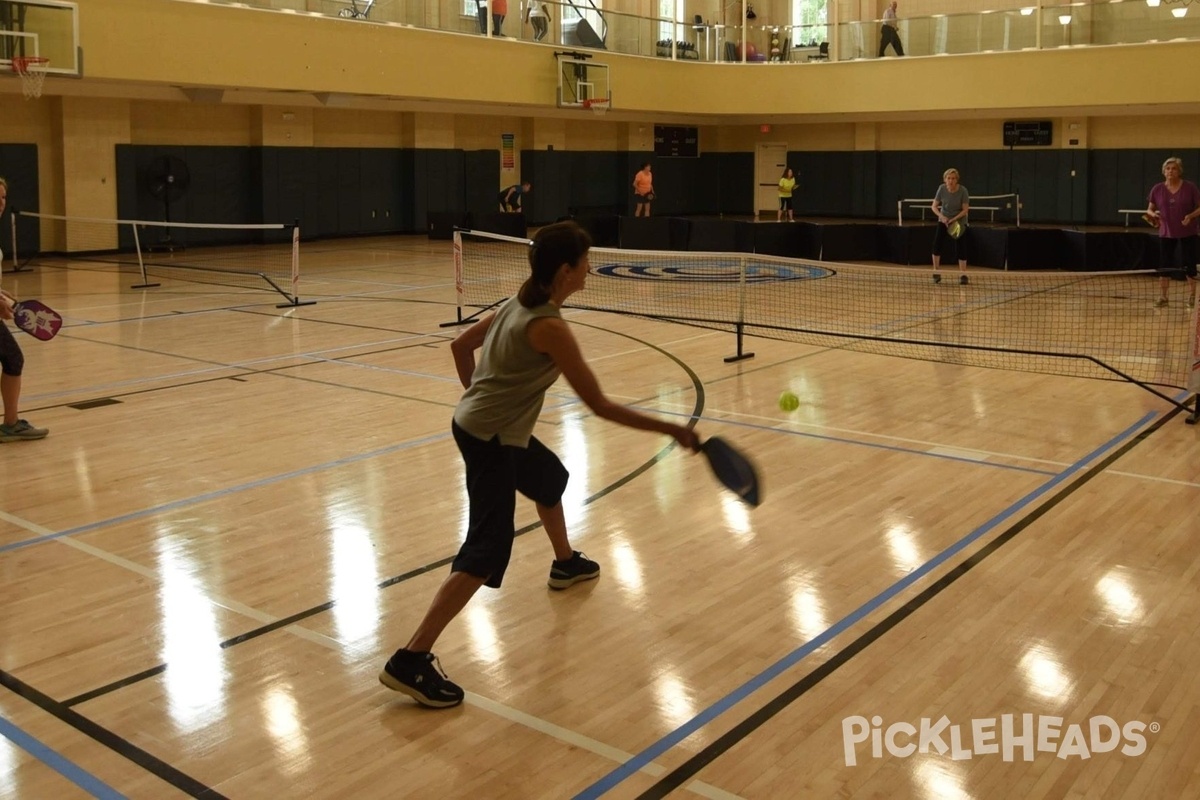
(888, 35)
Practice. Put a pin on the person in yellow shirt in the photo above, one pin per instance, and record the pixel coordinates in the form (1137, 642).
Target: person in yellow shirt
(786, 184)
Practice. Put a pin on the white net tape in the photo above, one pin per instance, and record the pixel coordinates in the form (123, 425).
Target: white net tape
(33, 75)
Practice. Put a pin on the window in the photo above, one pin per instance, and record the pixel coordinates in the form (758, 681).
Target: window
(668, 9)
(810, 12)
(811, 20)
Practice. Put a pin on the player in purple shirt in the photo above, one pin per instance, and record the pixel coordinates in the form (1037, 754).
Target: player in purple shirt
(1175, 205)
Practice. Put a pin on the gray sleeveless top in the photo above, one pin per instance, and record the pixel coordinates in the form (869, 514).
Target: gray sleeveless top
(510, 380)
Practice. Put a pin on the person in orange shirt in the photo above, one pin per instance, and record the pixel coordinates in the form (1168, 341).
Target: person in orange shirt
(643, 190)
(499, 12)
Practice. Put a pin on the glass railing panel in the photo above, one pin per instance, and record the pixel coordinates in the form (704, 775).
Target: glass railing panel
(1126, 22)
(768, 43)
(1067, 24)
(943, 34)
(634, 35)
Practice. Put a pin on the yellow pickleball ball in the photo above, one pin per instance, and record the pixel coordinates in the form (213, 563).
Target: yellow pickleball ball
(788, 401)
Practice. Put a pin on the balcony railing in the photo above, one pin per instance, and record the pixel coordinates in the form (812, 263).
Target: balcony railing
(580, 24)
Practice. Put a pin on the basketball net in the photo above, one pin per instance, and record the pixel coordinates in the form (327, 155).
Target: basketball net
(597, 106)
(32, 70)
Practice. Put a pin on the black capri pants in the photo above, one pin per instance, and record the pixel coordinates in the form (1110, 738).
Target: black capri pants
(495, 473)
(12, 360)
(958, 247)
(1186, 247)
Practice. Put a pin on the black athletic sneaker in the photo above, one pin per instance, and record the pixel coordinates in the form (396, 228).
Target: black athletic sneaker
(420, 676)
(937, 278)
(963, 280)
(570, 572)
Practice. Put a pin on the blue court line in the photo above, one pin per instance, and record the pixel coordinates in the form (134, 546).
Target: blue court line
(188, 501)
(654, 751)
(75, 774)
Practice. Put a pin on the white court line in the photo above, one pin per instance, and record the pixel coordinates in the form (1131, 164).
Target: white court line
(536, 724)
(1172, 481)
(583, 742)
(147, 572)
(252, 364)
(935, 448)
(956, 452)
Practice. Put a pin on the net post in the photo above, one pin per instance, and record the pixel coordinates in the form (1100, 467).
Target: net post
(1194, 366)
(296, 260)
(740, 326)
(899, 212)
(137, 245)
(294, 300)
(1018, 202)
(16, 256)
(459, 287)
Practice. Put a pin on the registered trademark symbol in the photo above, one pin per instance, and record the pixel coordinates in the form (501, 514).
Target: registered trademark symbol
(1155, 727)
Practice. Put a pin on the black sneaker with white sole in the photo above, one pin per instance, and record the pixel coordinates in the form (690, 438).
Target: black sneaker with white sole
(570, 572)
(420, 676)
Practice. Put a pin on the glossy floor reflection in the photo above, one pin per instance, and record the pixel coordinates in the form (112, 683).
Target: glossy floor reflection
(202, 578)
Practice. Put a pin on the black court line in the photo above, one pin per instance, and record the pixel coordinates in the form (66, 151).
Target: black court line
(246, 371)
(118, 744)
(300, 616)
(97, 403)
(727, 741)
(279, 371)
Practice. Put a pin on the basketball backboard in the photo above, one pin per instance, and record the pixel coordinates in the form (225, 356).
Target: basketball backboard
(43, 28)
(581, 78)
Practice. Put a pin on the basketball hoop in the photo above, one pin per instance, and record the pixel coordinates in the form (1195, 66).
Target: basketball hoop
(32, 70)
(598, 106)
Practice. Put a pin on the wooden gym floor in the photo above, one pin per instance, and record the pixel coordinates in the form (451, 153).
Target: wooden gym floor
(241, 511)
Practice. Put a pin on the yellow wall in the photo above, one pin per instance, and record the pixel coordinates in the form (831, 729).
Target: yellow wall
(274, 126)
(352, 128)
(152, 122)
(91, 130)
(269, 50)
(1176, 130)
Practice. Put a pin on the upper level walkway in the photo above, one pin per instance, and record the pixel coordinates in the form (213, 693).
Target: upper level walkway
(715, 31)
